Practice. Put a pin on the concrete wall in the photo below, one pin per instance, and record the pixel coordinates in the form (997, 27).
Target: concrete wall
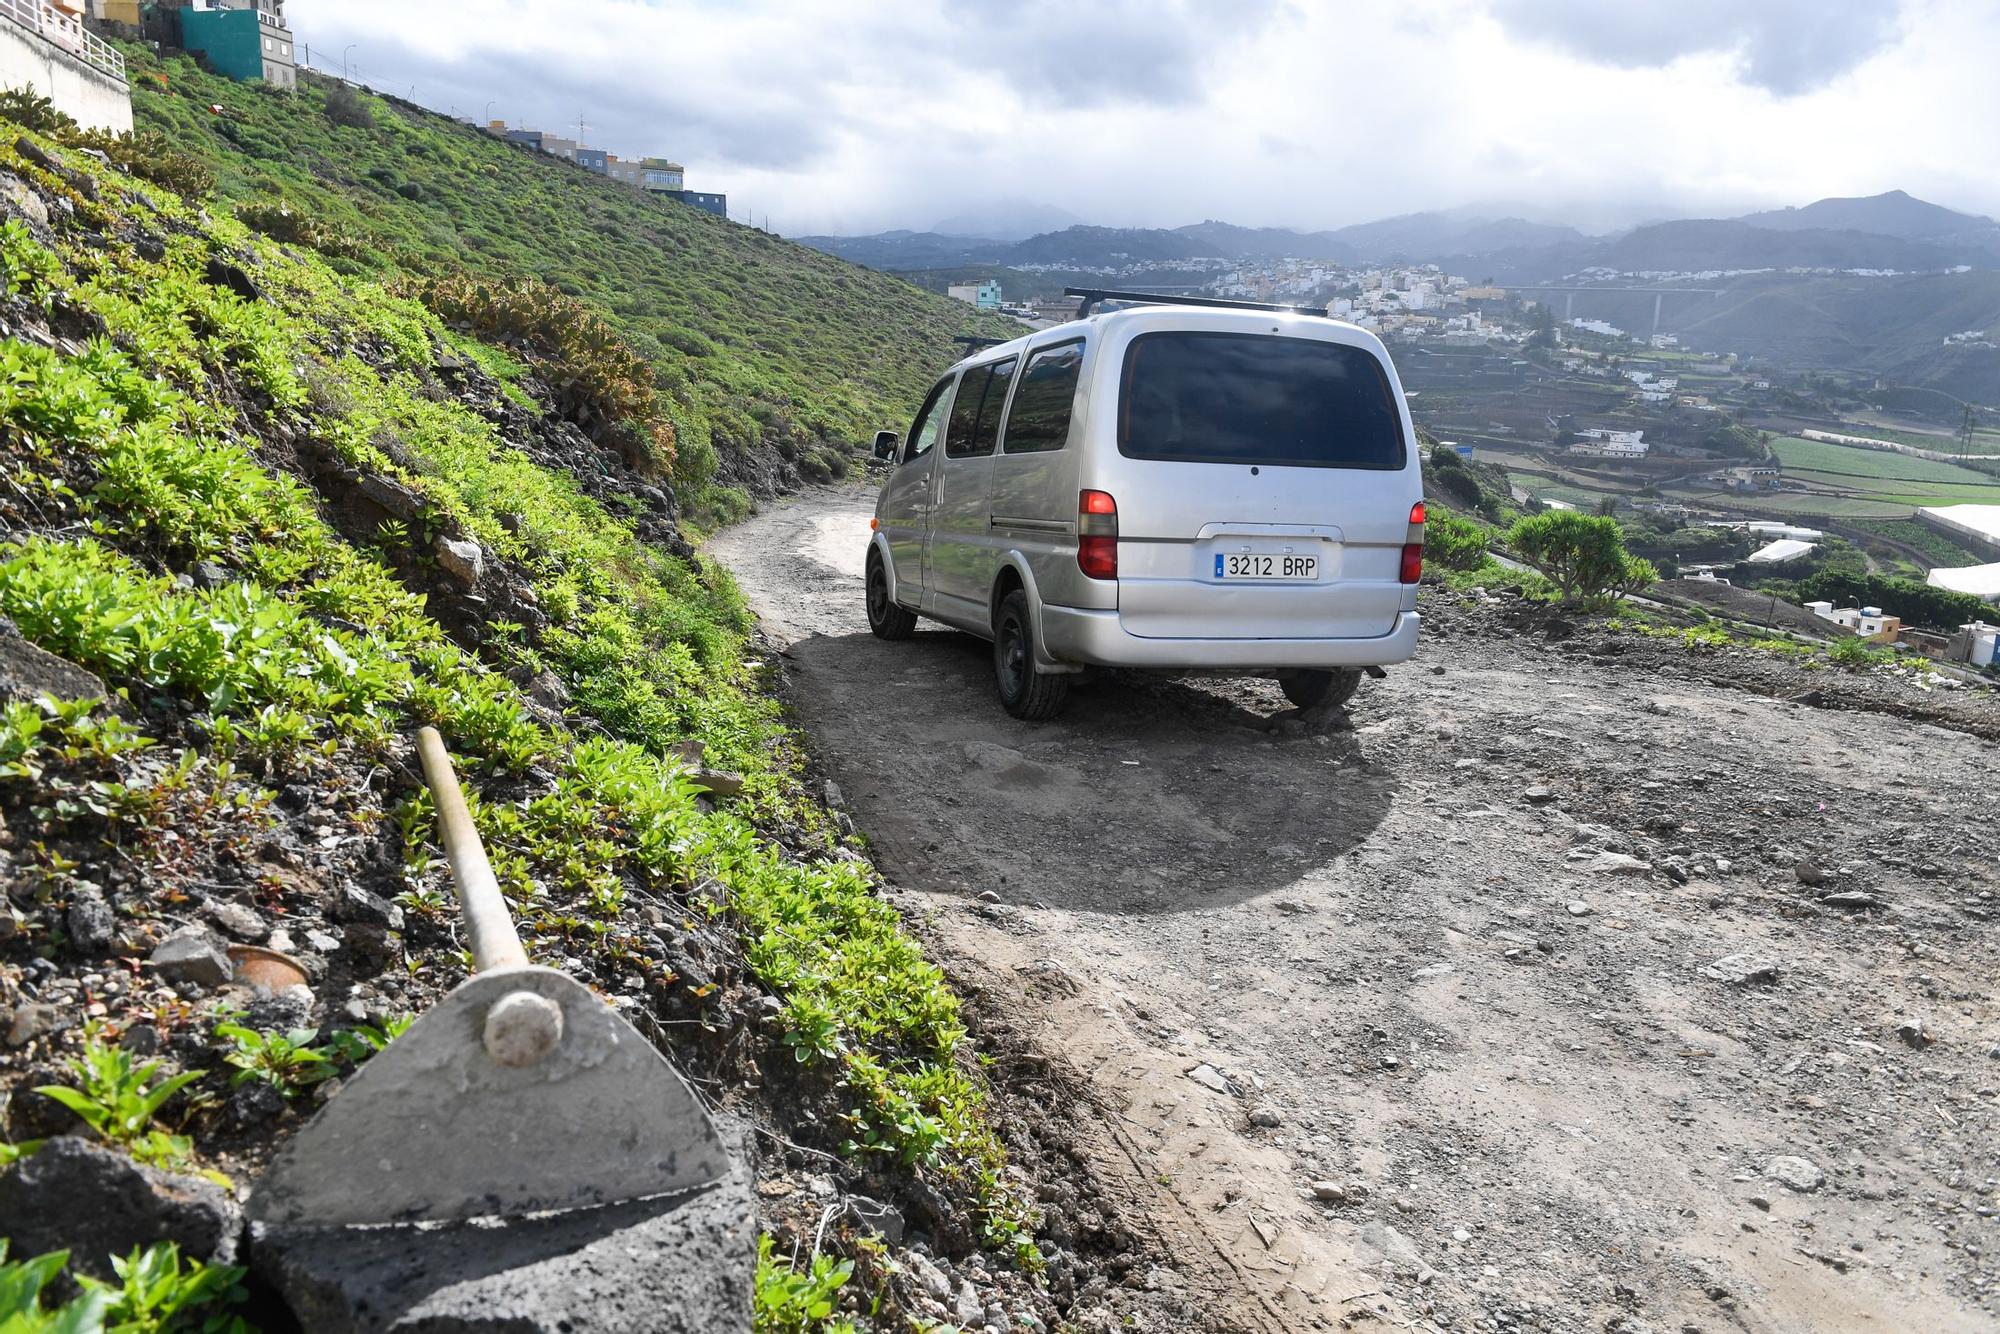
(94, 99)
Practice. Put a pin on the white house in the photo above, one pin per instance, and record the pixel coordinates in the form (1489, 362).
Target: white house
(1867, 622)
(1604, 443)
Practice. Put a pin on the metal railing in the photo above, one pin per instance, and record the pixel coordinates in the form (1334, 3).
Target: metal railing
(66, 31)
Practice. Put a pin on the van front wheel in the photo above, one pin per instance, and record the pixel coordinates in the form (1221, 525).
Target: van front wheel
(1026, 691)
(1313, 689)
(886, 617)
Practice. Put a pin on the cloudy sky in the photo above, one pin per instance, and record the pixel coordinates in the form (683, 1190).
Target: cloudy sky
(870, 114)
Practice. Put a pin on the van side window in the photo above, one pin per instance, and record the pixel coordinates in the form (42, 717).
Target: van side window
(964, 414)
(987, 433)
(924, 430)
(975, 418)
(1044, 400)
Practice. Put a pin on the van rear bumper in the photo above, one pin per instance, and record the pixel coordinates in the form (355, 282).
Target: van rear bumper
(1076, 635)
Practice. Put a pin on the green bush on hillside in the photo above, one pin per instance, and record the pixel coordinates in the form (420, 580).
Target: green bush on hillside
(1582, 554)
(600, 378)
(1452, 542)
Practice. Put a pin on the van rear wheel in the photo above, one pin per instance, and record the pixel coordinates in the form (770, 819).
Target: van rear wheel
(1313, 689)
(1026, 691)
(886, 617)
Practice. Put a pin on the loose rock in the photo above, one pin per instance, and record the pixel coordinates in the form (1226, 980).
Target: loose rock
(1795, 1173)
(192, 955)
(1210, 1078)
(463, 561)
(97, 1203)
(1741, 970)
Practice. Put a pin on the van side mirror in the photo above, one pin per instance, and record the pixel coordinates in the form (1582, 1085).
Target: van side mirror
(885, 444)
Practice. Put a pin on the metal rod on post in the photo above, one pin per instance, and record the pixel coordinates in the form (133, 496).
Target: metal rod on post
(521, 1027)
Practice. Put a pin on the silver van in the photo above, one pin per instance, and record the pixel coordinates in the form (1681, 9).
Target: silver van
(1197, 489)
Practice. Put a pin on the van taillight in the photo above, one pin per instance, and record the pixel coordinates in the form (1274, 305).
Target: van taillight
(1413, 546)
(1097, 534)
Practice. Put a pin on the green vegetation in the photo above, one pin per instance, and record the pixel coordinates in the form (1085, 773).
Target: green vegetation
(751, 341)
(1583, 555)
(1851, 462)
(792, 1302)
(1916, 603)
(118, 1100)
(154, 1295)
(1940, 549)
(288, 1062)
(1847, 480)
(166, 438)
(1452, 542)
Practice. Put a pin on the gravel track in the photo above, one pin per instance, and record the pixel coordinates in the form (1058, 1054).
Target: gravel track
(1468, 966)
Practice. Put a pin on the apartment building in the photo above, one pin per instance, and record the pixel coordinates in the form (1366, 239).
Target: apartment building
(240, 39)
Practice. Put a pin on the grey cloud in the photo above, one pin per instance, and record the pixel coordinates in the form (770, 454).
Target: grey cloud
(1086, 53)
(1786, 46)
(777, 130)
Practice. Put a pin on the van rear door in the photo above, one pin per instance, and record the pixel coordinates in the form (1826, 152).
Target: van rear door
(1266, 486)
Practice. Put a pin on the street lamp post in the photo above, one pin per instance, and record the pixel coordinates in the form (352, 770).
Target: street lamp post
(343, 59)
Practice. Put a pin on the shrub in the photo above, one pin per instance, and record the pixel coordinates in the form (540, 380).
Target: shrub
(600, 379)
(31, 111)
(152, 156)
(1583, 554)
(344, 106)
(1858, 652)
(1452, 542)
(280, 223)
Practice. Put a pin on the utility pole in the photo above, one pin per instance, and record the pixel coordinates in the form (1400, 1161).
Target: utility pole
(580, 128)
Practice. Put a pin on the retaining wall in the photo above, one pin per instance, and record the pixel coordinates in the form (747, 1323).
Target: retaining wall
(90, 96)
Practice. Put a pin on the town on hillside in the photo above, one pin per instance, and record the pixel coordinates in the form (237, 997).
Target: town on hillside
(1725, 469)
(58, 47)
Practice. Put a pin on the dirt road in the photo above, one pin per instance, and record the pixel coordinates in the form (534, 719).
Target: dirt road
(1574, 989)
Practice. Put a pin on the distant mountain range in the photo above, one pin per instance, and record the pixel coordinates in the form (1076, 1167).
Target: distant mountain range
(1006, 220)
(1886, 231)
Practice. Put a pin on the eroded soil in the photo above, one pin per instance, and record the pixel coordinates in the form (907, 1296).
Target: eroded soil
(1542, 974)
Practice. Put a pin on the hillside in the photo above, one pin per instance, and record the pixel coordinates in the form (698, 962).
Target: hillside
(260, 520)
(759, 344)
(1697, 244)
(1893, 213)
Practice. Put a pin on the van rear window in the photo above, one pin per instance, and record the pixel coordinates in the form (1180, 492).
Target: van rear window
(1256, 399)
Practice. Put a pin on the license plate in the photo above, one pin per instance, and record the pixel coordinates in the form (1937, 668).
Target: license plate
(1265, 565)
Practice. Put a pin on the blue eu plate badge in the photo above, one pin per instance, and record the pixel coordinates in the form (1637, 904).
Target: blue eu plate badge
(1218, 567)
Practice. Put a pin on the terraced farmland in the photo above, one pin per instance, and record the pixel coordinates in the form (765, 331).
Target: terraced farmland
(1844, 480)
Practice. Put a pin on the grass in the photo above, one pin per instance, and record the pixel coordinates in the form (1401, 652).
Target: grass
(753, 340)
(153, 441)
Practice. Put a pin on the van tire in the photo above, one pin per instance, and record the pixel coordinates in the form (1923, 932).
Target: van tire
(1314, 689)
(887, 618)
(1026, 691)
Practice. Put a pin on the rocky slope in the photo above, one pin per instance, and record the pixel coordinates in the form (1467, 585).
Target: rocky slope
(258, 521)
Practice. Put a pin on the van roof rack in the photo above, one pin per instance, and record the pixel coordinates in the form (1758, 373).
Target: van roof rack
(1092, 295)
(973, 342)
